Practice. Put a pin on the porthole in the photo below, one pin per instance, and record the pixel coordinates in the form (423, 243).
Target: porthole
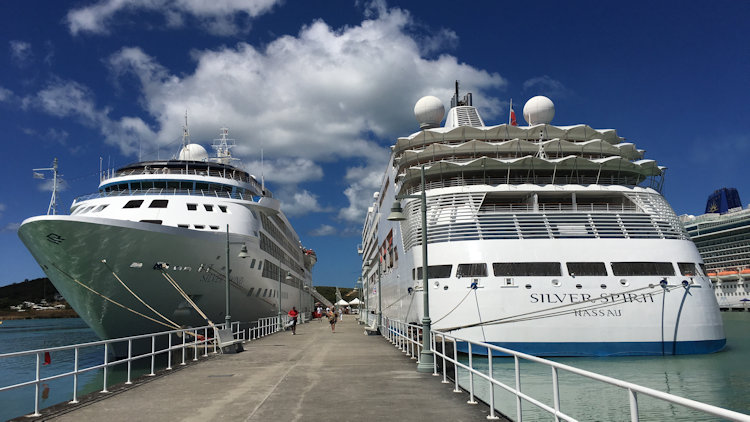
(528, 286)
(603, 286)
(624, 282)
(578, 286)
(445, 287)
(556, 282)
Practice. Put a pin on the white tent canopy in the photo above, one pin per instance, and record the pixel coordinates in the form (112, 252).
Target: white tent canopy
(342, 302)
(355, 301)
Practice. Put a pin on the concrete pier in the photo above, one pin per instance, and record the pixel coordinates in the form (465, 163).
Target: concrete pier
(315, 375)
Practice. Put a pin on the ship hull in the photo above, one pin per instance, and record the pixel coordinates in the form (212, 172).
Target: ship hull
(561, 316)
(107, 271)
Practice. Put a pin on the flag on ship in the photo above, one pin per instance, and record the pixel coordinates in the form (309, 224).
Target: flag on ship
(512, 118)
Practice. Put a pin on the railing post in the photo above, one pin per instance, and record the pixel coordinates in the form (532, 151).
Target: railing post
(106, 362)
(153, 355)
(75, 377)
(36, 386)
(456, 389)
(445, 368)
(183, 348)
(433, 340)
(555, 393)
(205, 342)
(633, 405)
(519, 413)
(492, 386)
(195, 345)
(169, 352)
(471, 376)
(130, 359)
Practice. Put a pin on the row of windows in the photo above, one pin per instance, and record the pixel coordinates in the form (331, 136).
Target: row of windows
(162, 203)
(93, 208)
(178, 185)
(266, 293)
(554, 269)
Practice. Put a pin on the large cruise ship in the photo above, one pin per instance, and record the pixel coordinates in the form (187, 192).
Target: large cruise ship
(722, 236)
(550, 240)
(148, 251)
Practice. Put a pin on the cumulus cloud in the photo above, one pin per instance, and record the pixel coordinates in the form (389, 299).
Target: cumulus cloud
(545, 85)
(363, 183)
(223, 17)
(6, 95)
(284, 170)
(323, 230)
(20, 52)
(300, 202)
(10, 227)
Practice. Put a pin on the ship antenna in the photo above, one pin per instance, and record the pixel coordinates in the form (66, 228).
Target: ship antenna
(53, 200)
(262, 177)
(185, 132)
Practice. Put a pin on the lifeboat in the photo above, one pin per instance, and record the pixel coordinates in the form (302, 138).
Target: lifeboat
(729, 275)
(745, 273)
(712, 276)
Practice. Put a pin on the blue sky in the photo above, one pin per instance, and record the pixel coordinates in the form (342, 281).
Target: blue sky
(324, 88)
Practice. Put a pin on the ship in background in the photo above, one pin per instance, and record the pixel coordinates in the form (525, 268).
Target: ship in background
(148, 251)
(722, 236)
(550, 240)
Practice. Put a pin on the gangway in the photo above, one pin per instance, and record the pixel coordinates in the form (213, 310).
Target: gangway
(321, 298)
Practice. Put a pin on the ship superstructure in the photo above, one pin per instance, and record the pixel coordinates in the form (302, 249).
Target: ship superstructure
(722, 236)
(552, 240)
(148, 251)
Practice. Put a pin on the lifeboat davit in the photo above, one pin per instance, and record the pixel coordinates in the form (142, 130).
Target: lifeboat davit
(729, 275)
(745, 274)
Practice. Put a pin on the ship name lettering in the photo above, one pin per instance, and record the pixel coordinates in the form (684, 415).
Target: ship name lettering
(598, 313)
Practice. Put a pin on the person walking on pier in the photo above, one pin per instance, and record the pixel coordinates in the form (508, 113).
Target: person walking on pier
(293, 316)
(331, 314)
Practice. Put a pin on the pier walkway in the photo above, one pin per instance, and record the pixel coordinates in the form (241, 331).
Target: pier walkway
(314, 375)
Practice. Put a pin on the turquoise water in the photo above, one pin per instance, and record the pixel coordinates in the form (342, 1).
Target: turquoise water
(20, 335)
(721, 379)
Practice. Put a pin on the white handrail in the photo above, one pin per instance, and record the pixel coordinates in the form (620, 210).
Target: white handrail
(397, 333)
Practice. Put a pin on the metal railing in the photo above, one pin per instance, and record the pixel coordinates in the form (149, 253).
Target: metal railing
(407, 337)
(161, 343)
(166, 191)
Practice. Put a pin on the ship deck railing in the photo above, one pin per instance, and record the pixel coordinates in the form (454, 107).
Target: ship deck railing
(67, 362)
(444, 347)
(165, 191)
(531, 179)
(232, 175)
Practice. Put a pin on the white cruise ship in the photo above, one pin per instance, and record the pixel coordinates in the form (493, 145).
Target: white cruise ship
(722, 236)
(551, 240)
(148, 251)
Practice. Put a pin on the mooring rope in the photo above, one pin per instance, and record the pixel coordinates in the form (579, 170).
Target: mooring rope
(187, 298)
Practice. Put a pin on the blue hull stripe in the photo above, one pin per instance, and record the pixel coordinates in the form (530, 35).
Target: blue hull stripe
(605, 348)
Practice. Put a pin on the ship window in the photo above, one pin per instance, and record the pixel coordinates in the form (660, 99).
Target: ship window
(186, 185)
(472, 270)
(135, 203)
(252, 263)
(101, 207)
(223, 208)
(151, 221)
(214, 227)
(258, 293)
(173, 185)
(260, 265)
(703, 269)
(199, 226)
(147, 185)
(184, 226)
(265, 292)
(522, 269)
(436, 271)
(586, 268)
(192, 207)
(687, 268)
(250, 292)
(201, 186)
(122, 186)
(158, 203)
(642, 268)
(208, 207)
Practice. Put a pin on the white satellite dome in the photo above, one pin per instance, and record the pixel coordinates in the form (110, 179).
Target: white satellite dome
(538, 110)
(429, 112)
(193, 152)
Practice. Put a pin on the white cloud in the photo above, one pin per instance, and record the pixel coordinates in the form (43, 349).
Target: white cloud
(47, 184)
(20, 52)
(363, 183)
(323, 230)
(10, 227)
(2, 209)
(221, 17)
(300, 203)
(286, 171)
(545, 85)
(6, 95)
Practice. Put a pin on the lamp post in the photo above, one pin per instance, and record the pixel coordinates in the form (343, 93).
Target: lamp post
(287, 278)
(366, 288)
(380, 295)
(361, 297)
(243, 255)
(426, 359)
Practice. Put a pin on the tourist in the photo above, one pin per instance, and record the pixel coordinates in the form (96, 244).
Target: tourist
(293, 316)
(332, 319)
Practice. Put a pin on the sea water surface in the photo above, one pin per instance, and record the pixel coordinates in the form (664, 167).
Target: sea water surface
(721, 379)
